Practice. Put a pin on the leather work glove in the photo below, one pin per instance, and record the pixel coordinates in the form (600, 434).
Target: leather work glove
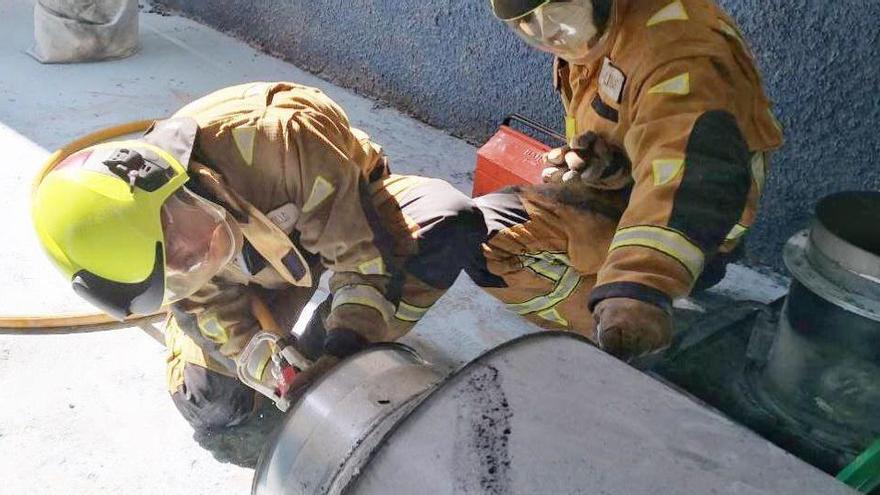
(591, 159)
(339, 344)
(629, 328)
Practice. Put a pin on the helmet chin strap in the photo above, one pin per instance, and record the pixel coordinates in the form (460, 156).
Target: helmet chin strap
(602, 14)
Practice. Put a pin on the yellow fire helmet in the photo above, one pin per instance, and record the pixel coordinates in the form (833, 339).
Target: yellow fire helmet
(98, 214)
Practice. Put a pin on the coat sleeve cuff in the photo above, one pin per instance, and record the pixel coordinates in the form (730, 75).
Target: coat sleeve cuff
(631, 290)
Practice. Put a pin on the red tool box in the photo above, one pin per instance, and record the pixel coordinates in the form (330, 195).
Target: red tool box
(511, 157)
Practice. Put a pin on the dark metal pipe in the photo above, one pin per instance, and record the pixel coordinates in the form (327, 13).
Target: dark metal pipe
(824, 368)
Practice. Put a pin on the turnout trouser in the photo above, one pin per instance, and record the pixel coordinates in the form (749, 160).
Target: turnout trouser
(544, 249)
(541, 257)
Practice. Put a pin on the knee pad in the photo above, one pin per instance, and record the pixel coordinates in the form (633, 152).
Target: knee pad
(448, 246)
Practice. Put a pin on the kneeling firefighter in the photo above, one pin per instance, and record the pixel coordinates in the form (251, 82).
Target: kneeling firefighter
(668, 128)
(249, 193)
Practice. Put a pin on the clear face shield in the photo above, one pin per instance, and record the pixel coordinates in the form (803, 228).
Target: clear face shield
(199, 243)
(564, 28)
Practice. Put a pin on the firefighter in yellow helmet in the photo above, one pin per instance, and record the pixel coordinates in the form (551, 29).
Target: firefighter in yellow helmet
(252, 191)
(668, 129)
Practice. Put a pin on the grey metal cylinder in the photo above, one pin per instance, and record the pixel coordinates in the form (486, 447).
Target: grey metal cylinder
(329, 433)
(824, 367)
(546, 413)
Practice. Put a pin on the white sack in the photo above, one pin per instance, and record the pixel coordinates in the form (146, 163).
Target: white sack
(84, 30)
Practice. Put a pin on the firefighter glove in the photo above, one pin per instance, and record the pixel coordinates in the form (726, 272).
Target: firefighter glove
(589, 158)
(629, 328)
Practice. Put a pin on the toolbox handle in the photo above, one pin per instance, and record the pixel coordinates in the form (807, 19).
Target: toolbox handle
(536, 126)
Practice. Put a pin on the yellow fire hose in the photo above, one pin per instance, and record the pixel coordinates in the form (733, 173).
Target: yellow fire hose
(76, 322)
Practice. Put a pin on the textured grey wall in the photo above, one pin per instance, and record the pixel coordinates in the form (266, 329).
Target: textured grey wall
(451, 64)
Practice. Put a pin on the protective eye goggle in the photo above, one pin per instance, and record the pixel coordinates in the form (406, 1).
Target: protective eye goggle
(507, 10)
(564, 28)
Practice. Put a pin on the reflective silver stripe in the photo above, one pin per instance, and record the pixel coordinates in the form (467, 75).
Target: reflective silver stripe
(566, 285)
(666, 241)
(363, 295)
(549, 270)
(547, 264)
(408, 312)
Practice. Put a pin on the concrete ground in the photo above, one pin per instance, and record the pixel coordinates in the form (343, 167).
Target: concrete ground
(88, 412)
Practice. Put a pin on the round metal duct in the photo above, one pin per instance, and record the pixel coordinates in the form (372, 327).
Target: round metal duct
(824, 367)
(546, 413)
(328, 435)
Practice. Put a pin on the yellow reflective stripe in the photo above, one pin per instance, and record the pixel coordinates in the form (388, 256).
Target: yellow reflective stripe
(373, 267)
(261, 367)
(363, 295)
(563, 289)
(759, 170)
(570, 127)
(678, 85)
(211, 328)
(675, 11)
(408, 312)
(774, 119)
(729, 30)
(321, 190)
(666, 241)
(553, 315)
(244, 138)
(737, 231)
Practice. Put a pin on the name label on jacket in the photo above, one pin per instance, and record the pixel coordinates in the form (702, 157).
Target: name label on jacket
(611, 81)
(285, 217)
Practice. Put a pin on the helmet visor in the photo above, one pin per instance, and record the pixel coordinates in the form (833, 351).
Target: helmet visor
(563, 28)
(199, 243)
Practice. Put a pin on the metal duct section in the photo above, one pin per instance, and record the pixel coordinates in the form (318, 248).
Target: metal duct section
(546, 413)
(332, 431)
(824, 368)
